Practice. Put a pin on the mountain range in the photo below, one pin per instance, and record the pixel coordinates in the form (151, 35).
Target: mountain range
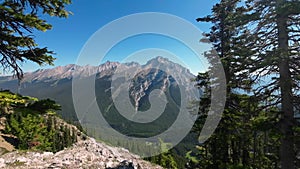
(158, 73)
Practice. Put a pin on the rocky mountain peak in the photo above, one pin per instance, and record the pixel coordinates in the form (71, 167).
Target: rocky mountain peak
(72, 70)
(109, 65)
(158, 59)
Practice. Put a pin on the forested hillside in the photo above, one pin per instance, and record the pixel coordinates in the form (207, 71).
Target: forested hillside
(29, 123)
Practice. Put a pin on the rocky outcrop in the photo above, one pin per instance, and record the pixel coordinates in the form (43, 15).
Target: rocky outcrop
(87, 154)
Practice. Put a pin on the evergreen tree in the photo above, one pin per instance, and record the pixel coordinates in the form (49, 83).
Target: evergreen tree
(32, 125)
(275, 33)
(18, 19)
(222, 149)
(254, 39)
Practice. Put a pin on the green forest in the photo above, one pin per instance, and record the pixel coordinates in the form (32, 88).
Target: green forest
(258, 43)
(33, 124)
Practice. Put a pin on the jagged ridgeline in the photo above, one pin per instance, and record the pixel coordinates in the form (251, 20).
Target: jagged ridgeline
(56, 84)
(29, 123)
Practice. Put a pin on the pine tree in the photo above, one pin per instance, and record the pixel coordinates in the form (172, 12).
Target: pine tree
(223, 145)
(18, 19)
(254, 39)
(275, 33)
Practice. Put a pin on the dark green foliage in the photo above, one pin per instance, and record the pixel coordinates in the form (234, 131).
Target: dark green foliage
(18, 19)
(256, 41)
(277, 53)
(45, 106)
(164, 159)
(245, 138)
(34, 123)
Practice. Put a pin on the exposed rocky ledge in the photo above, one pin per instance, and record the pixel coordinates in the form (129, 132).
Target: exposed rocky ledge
(87, 154)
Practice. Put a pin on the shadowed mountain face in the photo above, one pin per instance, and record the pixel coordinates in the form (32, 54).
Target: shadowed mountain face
(158, 73)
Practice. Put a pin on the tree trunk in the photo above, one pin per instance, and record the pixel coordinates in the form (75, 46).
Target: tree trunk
(287, 154)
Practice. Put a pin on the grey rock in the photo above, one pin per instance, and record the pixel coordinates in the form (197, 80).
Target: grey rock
(83, 154)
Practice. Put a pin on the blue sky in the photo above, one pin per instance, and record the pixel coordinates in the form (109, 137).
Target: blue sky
(68, 36)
